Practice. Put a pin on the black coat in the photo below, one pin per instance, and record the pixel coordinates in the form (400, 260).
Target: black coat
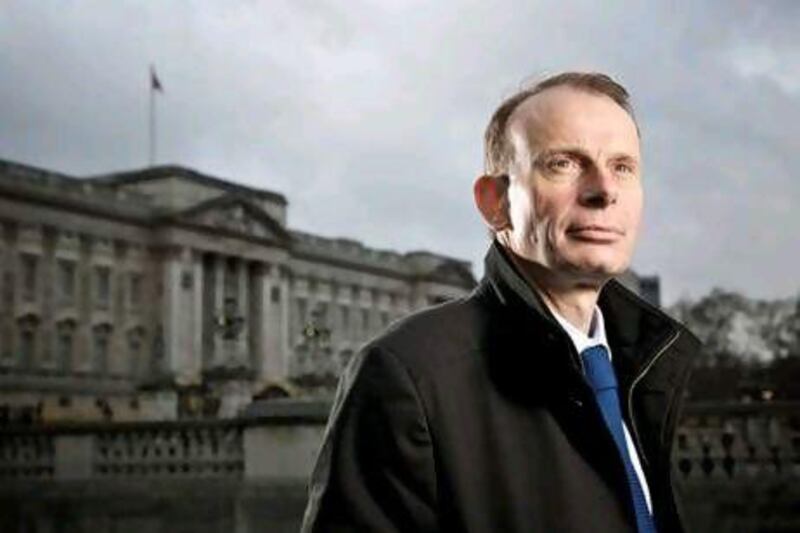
(474, 416)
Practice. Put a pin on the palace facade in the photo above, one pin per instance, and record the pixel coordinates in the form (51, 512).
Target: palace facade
(165, 293)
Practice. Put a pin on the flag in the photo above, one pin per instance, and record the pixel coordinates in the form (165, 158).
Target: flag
(155, 83)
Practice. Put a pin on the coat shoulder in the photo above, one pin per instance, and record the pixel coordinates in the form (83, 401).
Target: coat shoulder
(435, 335)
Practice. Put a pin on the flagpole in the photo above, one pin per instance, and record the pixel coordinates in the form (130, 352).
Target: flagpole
(152, 124)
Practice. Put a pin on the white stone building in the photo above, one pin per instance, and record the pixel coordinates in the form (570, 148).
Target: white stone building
(164, 293)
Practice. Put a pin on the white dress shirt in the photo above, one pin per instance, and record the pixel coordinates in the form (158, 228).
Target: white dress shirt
(597, 336)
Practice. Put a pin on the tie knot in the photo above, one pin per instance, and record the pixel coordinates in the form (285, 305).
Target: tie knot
(599, 371)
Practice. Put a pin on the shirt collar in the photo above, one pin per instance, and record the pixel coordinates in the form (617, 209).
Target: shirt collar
(597, 331)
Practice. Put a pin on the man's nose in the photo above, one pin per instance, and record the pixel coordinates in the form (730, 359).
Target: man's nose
(599, 188)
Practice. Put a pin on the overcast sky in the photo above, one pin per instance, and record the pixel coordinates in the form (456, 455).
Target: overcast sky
(369, 116)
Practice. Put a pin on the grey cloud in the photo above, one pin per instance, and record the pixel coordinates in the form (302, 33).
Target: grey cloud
(369, 116)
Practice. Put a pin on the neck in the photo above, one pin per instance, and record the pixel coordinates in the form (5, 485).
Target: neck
(575, 300)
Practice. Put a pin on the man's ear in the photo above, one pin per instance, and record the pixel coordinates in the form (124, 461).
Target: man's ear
(491, 197)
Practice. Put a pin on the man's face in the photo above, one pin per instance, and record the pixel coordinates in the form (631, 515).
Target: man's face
(574, 192)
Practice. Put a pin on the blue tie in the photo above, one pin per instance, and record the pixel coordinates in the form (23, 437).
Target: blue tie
(600, 375)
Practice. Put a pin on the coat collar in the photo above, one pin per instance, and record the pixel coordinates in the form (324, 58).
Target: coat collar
(635, 329)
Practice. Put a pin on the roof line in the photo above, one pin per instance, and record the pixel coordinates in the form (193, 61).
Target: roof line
(13, 167)
(162, 171)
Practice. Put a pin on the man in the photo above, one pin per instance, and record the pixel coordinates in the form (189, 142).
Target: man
(547, 399)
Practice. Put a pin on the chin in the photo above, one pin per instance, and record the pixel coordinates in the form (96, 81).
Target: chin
(597, 260)
(598, 268)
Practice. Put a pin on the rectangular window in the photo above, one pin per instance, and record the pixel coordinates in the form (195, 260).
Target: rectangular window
(5, 343)
(100, 346)
(66, 281)
(29, 264)
(134, 290)
(134, 352)
(101, 352)
(64, 350)
(27, 346)
(46, 349)
(8, 289)
(102, 275)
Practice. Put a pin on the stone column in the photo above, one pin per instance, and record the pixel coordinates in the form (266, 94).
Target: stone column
(281, 279)
(175, 312)
(195, 360)
(262, 324)
(243, 310)
(219, 306)
(272, 324)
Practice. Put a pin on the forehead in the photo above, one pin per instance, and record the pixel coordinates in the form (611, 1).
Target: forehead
(573, 117)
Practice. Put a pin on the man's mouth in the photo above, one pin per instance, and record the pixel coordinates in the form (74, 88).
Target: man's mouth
(595, 233)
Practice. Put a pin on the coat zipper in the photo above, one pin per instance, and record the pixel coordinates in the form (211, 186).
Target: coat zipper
(638, 378)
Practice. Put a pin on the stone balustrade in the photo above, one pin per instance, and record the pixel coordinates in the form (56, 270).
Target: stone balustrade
(714, 442)
(210, 451)
(27, 456)
(737, 466)
(718, 442)
(171, 449)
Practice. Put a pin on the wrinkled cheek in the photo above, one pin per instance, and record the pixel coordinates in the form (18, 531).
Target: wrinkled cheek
(551, 243)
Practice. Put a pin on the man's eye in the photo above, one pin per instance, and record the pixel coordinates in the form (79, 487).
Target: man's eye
(623, 169)
(562, 164)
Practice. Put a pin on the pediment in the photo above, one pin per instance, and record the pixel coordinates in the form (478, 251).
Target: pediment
(233, 214)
